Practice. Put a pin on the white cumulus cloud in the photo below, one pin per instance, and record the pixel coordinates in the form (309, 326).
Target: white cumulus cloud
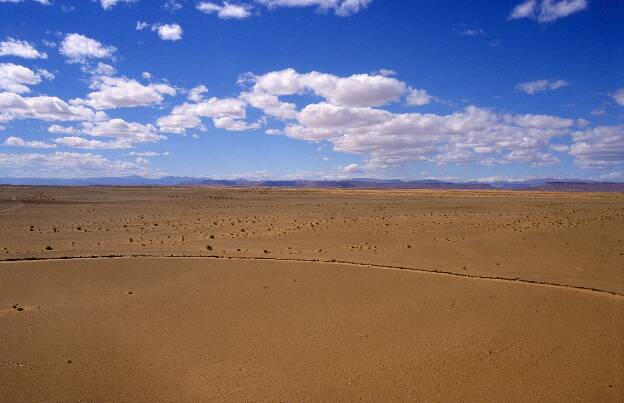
(122, 92)
(356, 90)
(196, 94)
(79, 49)
(16, 78)
(168, 32)
(58, 129)
(47, 108)
(19, 142)
(227, 113)
(599, 147)
(90, 144)
(15, 47)
(226, 10)
(472, 135)
(118, 128)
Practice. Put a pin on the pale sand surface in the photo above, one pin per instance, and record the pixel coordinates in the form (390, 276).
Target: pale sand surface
(250, 329)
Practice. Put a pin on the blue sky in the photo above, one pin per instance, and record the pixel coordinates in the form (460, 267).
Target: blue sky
(477, 90)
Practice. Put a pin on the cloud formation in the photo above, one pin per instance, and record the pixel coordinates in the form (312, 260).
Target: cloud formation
(600, 147)
(79, 49)
(369, 115)
(43, 2)
(226, 113)
(90, 144)
(342, 8)
(618, 97)
(108, 4)
(71, 165)
(547, 10)
(533, 87)
(120, 129)
(472, 135)
(418, 97)
(17, 79)
(47, 108)
(356, 90)
(231, 10)
(123, 134)
(168, 32)
(352, 119)
(17, 48)
(122, 92)
(225, 10)
(19, 142)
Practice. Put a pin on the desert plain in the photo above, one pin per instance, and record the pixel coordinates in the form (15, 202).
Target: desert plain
(214, 294)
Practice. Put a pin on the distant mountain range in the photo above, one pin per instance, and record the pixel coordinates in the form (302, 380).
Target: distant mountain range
(355, 183)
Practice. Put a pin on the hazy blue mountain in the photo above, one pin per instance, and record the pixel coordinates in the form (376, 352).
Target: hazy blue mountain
(355, 183)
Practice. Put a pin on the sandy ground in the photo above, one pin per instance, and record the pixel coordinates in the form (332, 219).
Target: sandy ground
(493, 295)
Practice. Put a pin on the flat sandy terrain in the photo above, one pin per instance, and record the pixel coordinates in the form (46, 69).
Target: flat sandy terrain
(310, 295)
